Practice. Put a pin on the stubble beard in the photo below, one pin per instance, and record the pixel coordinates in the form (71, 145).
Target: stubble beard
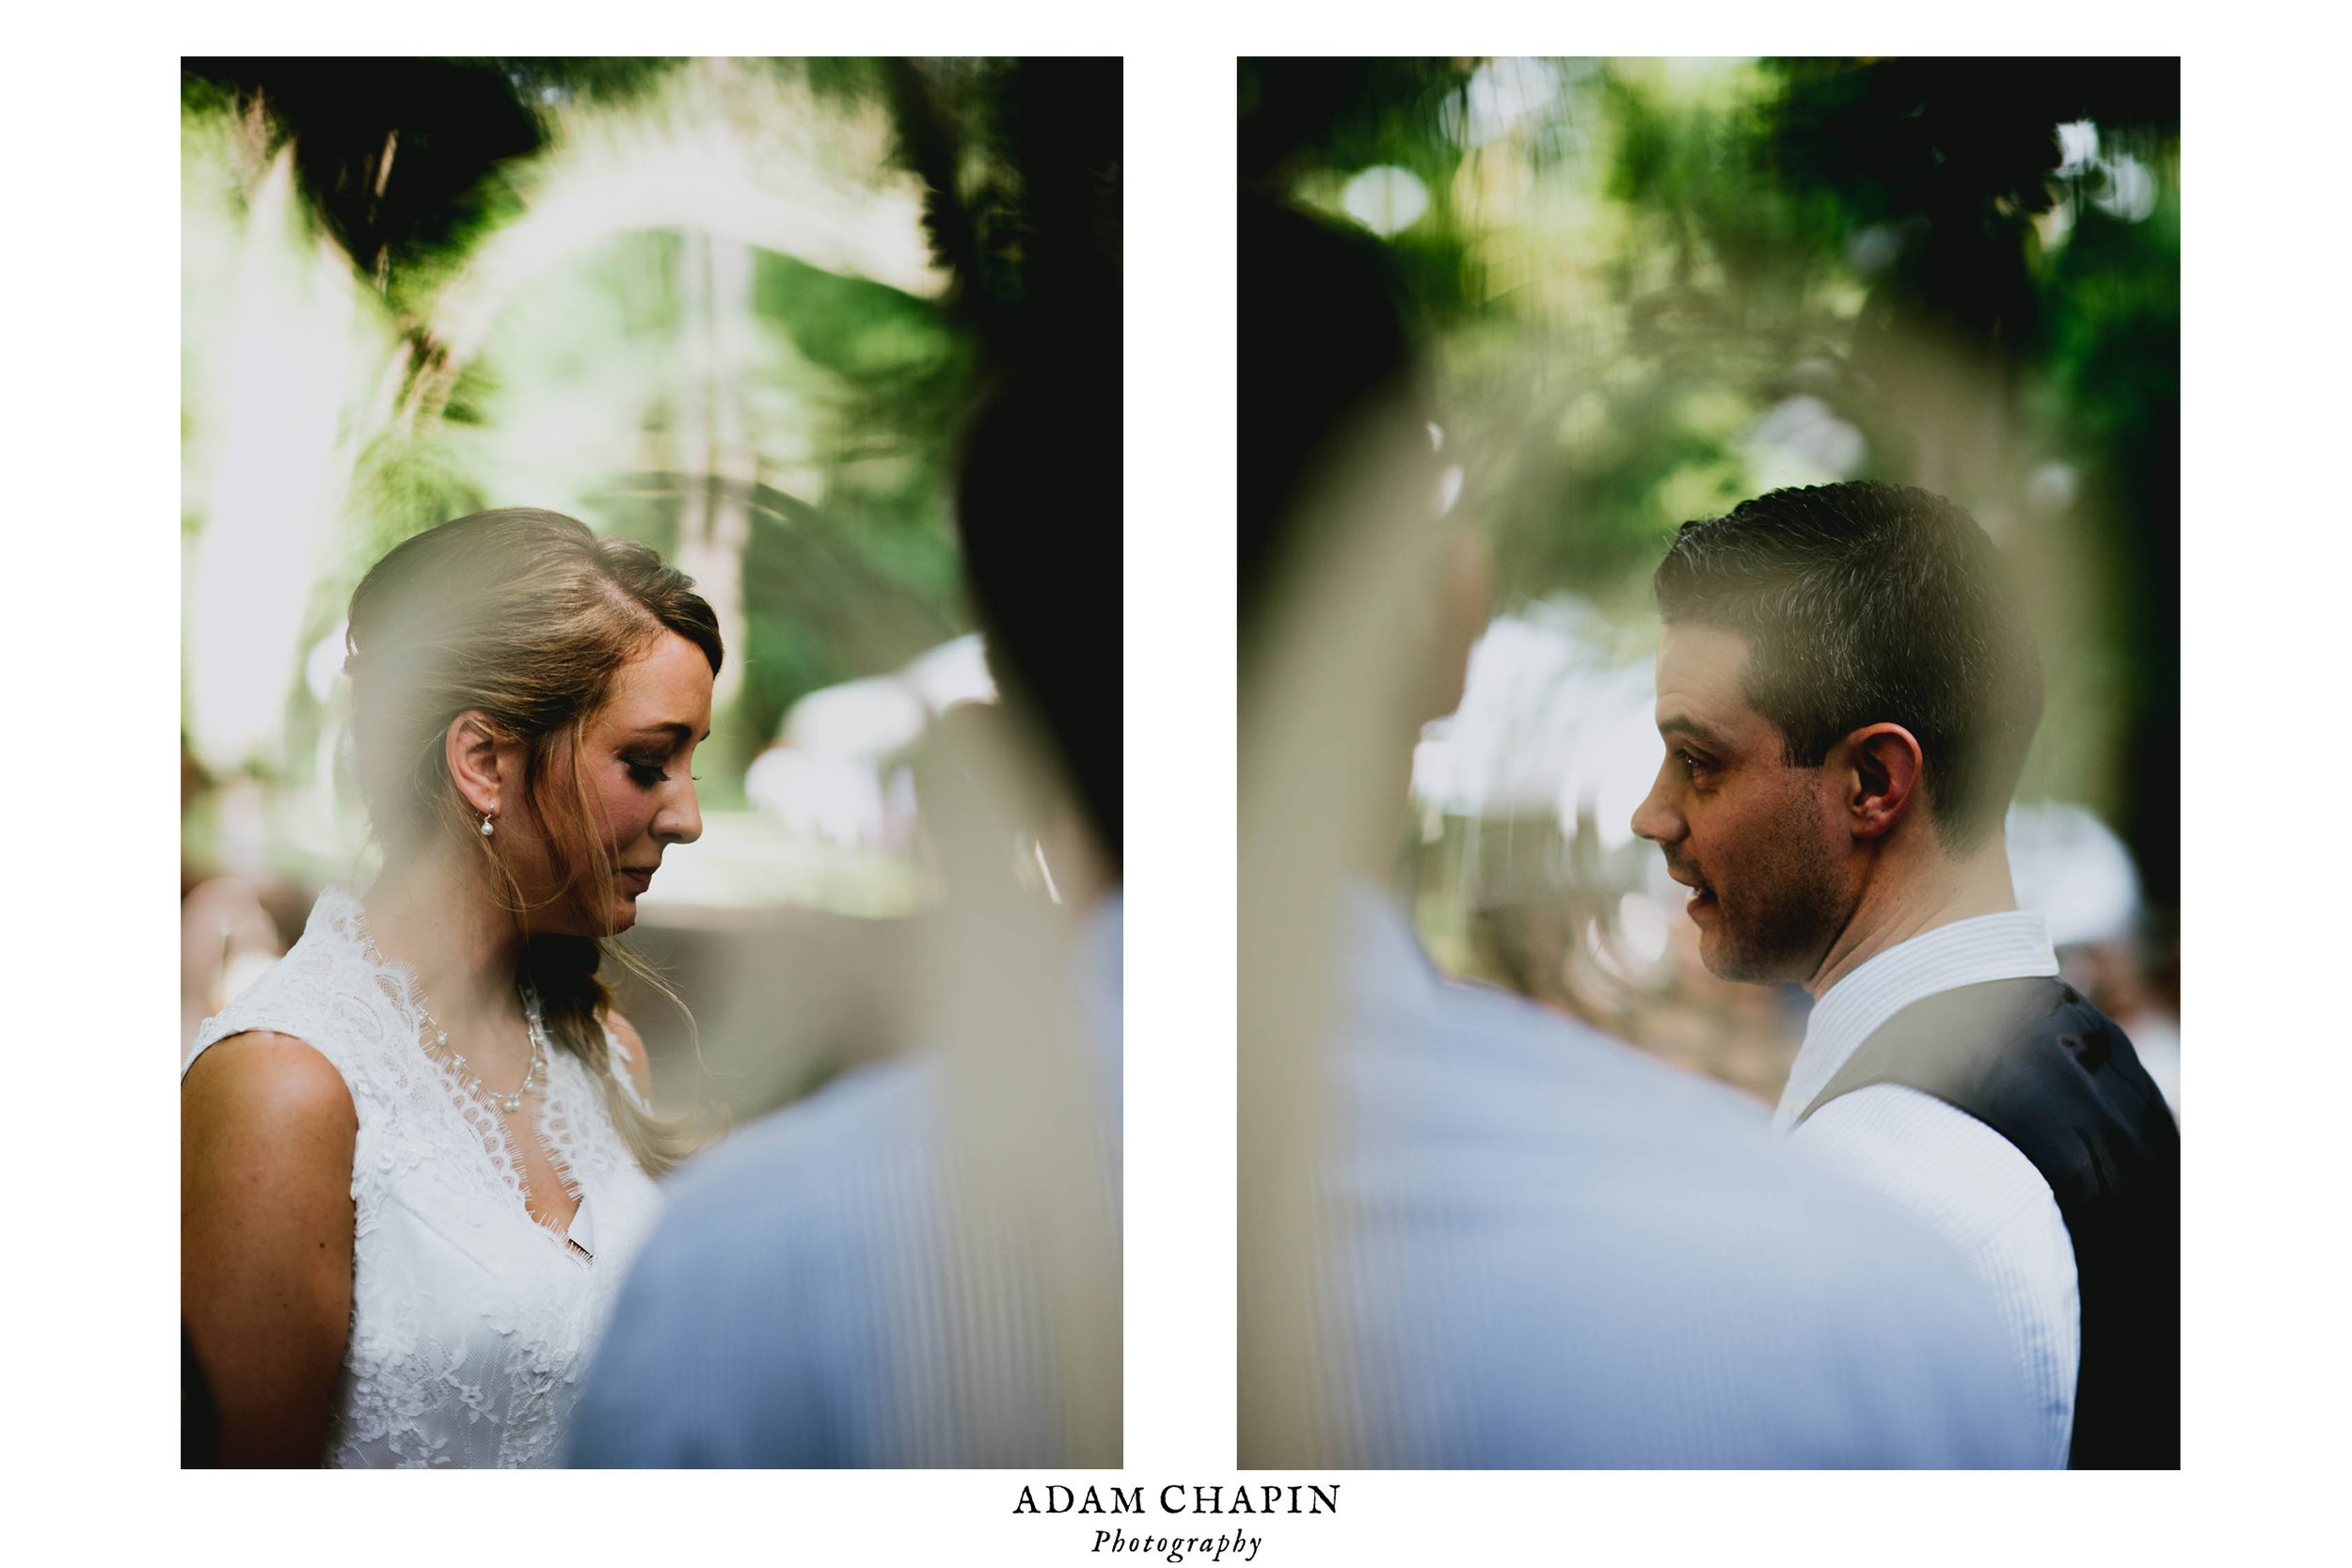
(1774, 927)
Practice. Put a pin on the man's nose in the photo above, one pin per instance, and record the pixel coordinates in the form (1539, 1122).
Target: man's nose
(1655, 818)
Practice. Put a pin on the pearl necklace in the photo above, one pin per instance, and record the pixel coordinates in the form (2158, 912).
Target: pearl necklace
(535, 1071)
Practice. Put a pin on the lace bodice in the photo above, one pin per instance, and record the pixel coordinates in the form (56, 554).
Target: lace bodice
(470, 1322)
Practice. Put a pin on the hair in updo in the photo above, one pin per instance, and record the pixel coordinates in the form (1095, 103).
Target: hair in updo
(525, 616)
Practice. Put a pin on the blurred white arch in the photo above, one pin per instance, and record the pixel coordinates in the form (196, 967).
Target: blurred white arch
(1551, 719)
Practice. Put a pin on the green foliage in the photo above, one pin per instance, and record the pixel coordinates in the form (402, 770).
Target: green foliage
(1627, 265)
(491, 339)
(855, 393)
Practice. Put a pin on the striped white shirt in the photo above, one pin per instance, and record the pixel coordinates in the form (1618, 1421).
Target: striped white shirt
(1969, 1183)
(1551, 1250)
(804, 1304)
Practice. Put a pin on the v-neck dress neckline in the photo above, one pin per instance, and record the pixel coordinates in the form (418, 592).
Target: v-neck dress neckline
(471, 1320)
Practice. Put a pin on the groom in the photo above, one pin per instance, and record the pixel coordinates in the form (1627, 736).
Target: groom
(1540, 1248)
(1845, 690)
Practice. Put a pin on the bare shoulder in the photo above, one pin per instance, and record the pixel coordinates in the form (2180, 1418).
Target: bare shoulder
(273, 1083)
(264, 1114)
(267, 1130)
(640, 1070)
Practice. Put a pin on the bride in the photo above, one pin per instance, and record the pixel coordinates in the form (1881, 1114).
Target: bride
(417, 1153)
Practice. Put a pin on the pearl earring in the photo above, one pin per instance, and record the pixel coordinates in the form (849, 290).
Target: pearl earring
(485, 824)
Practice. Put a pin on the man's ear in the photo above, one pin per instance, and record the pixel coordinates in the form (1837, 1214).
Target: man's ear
(477, 761)
(1885, 778)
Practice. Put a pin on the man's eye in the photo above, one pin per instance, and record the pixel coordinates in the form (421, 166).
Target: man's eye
(1692, 766)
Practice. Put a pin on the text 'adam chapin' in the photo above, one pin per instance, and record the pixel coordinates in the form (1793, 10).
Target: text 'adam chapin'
(1176, 1498)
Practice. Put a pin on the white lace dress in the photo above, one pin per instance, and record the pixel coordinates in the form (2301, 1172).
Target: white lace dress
(470, 1322)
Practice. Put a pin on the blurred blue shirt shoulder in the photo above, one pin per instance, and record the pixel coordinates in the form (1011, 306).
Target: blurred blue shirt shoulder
(1551, 1250)
(787, 1312)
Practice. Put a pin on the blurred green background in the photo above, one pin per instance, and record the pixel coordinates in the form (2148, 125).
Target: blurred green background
(1654, 288)
(733, 307)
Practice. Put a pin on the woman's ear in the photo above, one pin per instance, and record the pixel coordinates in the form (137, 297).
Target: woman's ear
(1885, 775)
(478, 762)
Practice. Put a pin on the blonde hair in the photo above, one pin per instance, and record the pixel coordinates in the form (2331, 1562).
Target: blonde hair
(525, 616)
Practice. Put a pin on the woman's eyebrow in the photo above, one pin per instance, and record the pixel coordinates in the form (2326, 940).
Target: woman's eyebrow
(674, 733)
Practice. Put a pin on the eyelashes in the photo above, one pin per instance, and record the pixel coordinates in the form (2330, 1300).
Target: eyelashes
(648, 775)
